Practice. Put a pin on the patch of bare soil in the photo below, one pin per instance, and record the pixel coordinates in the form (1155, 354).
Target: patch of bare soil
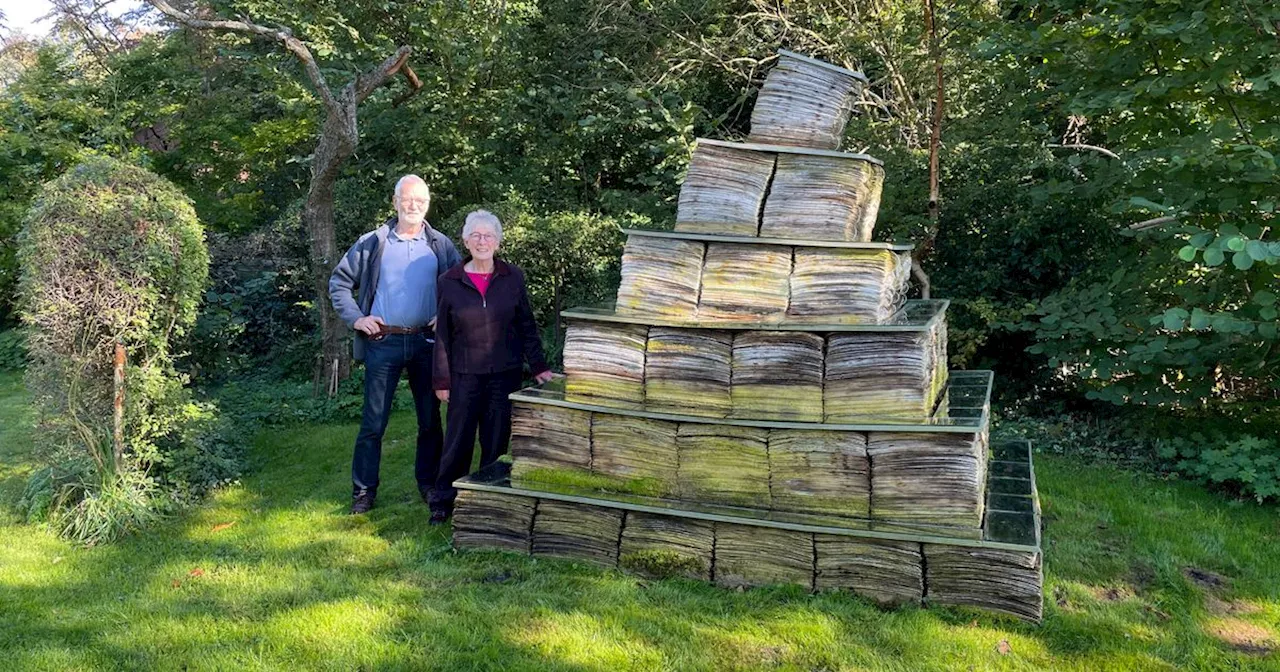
(1205, 579)
(1220, 607)
(1242, 635)
(1118, 593)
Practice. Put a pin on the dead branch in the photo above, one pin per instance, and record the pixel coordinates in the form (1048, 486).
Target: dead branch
(1092, 148)
(1153, 223)
(283, 36)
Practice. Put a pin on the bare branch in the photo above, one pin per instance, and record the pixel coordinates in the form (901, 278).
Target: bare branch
(366, 82)
(1153, 223)
(290, 42)
(917, 272)
(1092, 148)
(415, 85)
(935, 124)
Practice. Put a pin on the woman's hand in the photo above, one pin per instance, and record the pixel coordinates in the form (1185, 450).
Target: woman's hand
(544, 377)
(442, 395)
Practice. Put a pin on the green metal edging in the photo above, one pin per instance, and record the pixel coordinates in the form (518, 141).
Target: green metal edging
(468, 484)
(971, 425)
(752, 240)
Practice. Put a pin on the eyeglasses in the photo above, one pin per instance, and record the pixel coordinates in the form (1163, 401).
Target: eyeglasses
(415, 201)
(481, 237)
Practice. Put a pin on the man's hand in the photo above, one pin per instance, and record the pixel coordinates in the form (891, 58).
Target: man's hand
(544, 377)
(369, 324)
(442, 395)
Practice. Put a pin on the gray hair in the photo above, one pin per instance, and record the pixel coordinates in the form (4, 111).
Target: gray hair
(411, 179)
(477, 217)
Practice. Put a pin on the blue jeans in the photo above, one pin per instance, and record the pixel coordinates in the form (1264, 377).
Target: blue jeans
(384, 363)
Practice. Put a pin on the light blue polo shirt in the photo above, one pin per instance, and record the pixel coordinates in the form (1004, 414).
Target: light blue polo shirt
(406, 293)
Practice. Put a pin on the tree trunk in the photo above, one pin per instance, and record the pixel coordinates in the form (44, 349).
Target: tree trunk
(935, 147)
(557, 302)
(337, 143)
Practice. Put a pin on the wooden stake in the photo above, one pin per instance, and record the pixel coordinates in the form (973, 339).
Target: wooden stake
(118, 407)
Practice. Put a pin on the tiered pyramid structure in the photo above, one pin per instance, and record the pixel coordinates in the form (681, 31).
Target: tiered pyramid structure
(762, 405)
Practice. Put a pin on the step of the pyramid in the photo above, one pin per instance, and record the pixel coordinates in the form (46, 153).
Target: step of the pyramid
(706, 278)
(751, 190)
(757, 374)
(734, 546)
(805, 102)
(924, 480)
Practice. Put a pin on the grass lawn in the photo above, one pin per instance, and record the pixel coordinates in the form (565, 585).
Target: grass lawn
(271, 574)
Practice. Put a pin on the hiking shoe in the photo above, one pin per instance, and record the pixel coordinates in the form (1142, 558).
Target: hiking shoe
(361, 502)
(438, 517)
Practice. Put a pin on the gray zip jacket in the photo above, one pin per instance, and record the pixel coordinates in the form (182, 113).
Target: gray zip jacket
(355, 279)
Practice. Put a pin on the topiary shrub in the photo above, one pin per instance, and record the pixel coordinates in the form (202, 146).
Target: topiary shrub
(113, 265)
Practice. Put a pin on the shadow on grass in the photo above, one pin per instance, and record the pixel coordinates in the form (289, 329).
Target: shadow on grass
(272, 573)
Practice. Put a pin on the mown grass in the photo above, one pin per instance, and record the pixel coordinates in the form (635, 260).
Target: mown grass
(270, 574)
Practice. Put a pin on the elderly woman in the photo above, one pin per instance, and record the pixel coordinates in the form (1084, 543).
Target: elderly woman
(484, 332)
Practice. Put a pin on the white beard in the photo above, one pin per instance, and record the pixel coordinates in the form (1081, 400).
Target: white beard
(413, 219)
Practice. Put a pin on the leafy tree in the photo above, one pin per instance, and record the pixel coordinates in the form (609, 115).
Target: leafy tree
(339, 136)
(49, 114)
(1173, 107)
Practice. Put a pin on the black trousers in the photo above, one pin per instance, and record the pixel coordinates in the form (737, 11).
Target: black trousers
(476, 402)
(384, 363)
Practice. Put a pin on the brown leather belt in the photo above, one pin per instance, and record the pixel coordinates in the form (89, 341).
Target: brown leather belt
(385, 330)
(388, 329)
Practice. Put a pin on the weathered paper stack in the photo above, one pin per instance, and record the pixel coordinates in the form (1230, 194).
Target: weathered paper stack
(763, 404)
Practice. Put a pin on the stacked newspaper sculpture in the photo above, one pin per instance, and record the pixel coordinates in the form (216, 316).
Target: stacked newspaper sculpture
(762, 404)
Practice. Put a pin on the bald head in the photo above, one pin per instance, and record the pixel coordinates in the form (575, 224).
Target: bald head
(408, 180)
(411, 200)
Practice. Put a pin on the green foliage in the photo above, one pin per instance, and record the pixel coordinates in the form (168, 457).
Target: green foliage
(257, 309)
(223, 118)
(112, 257)
(125, 503)
(49, 114)
(1186, 95)
(1091, 436)
(272, 401)
(13, 350)
(1247, 464)
(1115, 339)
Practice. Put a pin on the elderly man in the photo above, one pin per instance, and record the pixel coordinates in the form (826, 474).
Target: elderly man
(385, 289)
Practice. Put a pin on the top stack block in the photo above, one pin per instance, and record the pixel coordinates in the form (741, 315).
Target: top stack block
(787, 180)
(804, 103)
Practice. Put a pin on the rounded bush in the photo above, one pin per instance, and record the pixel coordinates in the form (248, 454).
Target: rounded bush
(111, 255)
